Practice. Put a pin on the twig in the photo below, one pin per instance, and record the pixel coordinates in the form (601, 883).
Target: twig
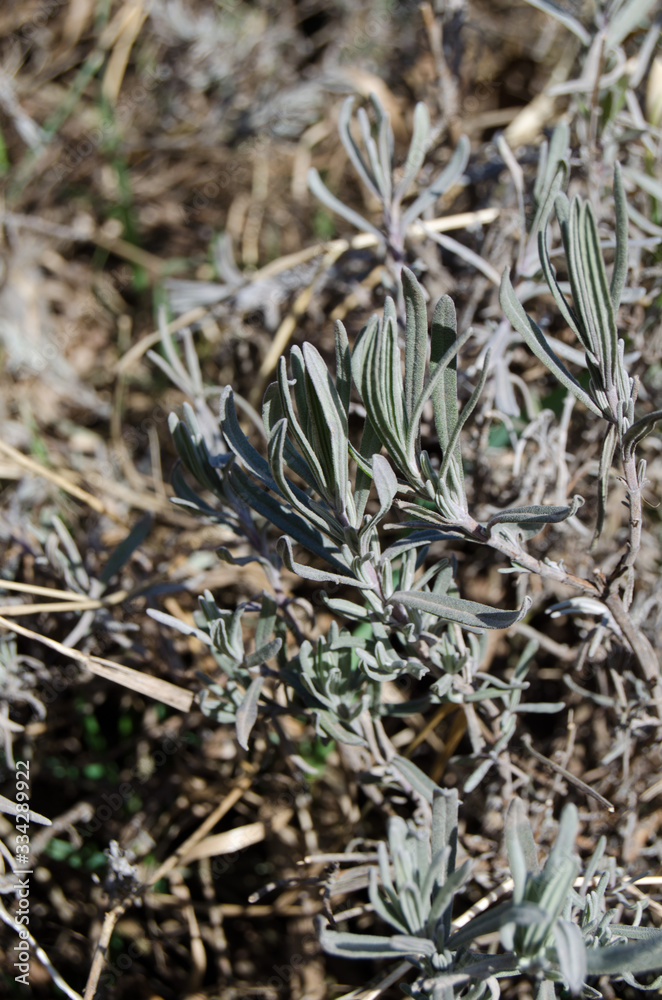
(154, 265)
(180, 855)
(136, 680)
(101, 950)
(372, 993)
(177, 857)
(25, 934)
(526, 740)
(64, 484)
(31, 588)
(142, 346)
(640, 645)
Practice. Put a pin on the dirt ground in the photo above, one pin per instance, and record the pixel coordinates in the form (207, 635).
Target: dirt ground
(153, 160)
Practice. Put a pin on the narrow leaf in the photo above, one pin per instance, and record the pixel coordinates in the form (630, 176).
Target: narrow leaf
(370, 444)
(552, 180)
(293, 494)
(561, 15)
(626, 20)
(535, 338)
(247, 712)
(266, 623)
(321, 191)
(328, 420)
(487, 923)
(123, 552)
(433, 382)
(419, 781)
(642, 956)
(264, 653)
(386, 483)
(470, 614)
(537, 514)
(598, 300)
(619, 273)
(238, 441)
(353, 151)
(343, 365)
(640, 429)
(453, 456)
(296, 430)
(519, 837)
(571, 953)
(449, 175)
(348, 945)
(286, 553)
(417, 149)
(284, 518)
(381, 907)
(416, 339)
(549, 274)
(346, 609)
(184, 627)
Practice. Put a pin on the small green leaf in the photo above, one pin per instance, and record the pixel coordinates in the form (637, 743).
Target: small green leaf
(443, 335)
(267, 621)
(386, 485)
(370, 445)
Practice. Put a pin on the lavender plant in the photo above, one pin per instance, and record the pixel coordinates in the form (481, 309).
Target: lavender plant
(418, 625)
(554, 930)
(399, 614)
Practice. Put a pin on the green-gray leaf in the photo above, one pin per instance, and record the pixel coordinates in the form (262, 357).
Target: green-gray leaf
(535, 338)
(470, 614)
(247, 712)
(286, 553)
(536, 514)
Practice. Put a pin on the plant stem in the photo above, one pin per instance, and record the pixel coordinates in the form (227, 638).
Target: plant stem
(639, 644)
(548, 570)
